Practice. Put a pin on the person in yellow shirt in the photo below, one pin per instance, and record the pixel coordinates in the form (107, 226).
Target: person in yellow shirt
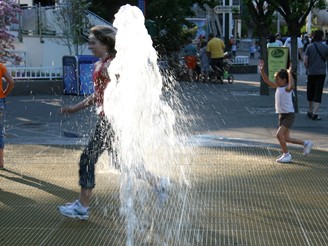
(4, 92)
(215, 49)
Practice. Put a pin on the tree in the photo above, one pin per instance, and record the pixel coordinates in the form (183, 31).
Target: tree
(261, 13)
(70, 18)
(108, 8)
(166, 18)
(9, 11)
(169, 18)
(295, 14)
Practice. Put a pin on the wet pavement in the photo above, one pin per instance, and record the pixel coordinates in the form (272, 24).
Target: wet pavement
(237, 193)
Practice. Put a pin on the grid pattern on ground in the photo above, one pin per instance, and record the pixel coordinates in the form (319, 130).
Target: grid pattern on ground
(236, 196)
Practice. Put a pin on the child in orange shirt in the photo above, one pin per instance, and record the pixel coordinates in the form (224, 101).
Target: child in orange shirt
(3, 94)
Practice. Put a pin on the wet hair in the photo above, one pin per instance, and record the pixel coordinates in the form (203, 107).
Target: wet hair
(317, 35)
(106, 35)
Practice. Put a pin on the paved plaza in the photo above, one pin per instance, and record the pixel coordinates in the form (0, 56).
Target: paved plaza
(234, 192)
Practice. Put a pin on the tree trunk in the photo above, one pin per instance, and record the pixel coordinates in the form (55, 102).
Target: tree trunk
(264, 88)
(295, 60)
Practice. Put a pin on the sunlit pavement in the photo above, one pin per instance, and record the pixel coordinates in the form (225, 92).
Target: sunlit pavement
(238, 194)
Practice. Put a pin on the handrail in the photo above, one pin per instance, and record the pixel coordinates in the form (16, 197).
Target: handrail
(36, 72)
(240, 60)
(92, 20)
(96, 18)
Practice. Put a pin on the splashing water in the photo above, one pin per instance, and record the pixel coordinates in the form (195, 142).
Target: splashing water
(144, 126)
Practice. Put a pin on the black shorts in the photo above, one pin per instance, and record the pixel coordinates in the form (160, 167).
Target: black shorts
(286, 120)
(217, 65)
(314, 87)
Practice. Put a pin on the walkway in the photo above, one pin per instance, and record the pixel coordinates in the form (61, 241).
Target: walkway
(237, 193)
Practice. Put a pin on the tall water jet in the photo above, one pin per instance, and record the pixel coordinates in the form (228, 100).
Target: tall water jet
(144, 125)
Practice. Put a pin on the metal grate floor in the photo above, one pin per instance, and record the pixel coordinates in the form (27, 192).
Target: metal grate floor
(236, 196)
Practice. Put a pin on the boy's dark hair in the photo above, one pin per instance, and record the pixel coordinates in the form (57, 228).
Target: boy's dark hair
(272, 38)
(317, 35)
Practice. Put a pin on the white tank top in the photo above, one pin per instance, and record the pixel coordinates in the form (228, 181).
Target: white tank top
(283, 101)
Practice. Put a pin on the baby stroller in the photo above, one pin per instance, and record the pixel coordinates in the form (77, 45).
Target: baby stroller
(226, 65)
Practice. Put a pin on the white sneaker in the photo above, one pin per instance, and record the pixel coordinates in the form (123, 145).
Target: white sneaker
(307, 147)
(285, 158)
(74, 210)
(279, 157)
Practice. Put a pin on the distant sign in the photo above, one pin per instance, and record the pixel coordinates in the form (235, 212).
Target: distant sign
(225, 9)
(277, 59)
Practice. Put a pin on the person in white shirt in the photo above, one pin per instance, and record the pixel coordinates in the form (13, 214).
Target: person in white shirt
(288, 43)
(284, 83)
(300, 52)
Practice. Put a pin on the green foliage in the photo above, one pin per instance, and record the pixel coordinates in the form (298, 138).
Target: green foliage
(165, 18)
(70, 18)
(169, 18)
(296, 12)
(108, 8)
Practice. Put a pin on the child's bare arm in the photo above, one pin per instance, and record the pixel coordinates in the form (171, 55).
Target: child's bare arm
(10, 83)
(290, 85)
(90, 100)
(265, 76)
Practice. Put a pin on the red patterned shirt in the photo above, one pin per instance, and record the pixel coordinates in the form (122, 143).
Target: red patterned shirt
(100, 82)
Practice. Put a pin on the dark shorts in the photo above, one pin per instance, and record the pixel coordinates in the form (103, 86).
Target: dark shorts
(217, 65)
(286, 120)
(314, 87)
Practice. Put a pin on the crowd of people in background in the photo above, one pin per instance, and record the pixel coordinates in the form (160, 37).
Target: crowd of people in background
(201, 55)
(198, 60)
(312, 61)
(205, 53)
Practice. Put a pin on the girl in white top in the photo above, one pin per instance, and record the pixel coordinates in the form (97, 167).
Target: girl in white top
(283, 100)
(284, 83)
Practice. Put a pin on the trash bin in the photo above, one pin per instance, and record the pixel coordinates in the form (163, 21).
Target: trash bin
(77, 74)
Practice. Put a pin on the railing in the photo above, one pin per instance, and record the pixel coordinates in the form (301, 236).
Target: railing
(92, 20)
(36, 72)
(240, 60)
